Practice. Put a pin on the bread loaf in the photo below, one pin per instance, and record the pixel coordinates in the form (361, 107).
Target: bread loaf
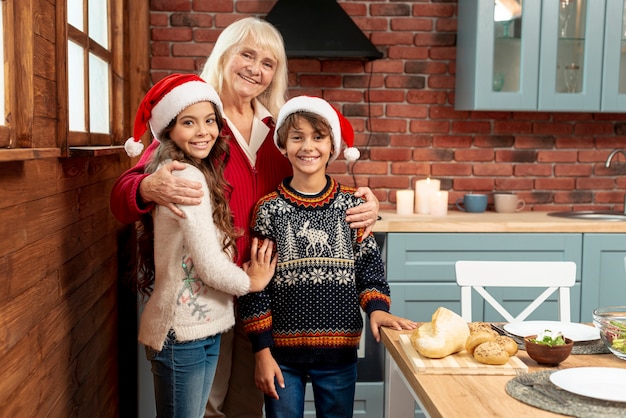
(477, 338)
(446, 334)
(509, 345)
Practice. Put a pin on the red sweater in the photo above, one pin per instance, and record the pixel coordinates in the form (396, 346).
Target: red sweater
(248, 184)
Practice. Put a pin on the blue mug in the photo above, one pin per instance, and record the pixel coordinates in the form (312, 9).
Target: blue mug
(475, 203)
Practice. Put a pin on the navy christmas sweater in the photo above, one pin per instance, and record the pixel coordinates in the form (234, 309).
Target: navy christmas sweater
(309, 313)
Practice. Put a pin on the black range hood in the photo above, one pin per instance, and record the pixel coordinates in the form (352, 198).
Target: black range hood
(320, 29)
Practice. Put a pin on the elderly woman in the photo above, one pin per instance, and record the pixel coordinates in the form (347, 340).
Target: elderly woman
(248, 68)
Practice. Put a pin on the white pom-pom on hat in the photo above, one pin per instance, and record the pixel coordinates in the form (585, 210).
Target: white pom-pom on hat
(164, 101)
(340, 126)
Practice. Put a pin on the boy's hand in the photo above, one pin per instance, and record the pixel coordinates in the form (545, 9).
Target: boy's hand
(266, 371)
(385, 319)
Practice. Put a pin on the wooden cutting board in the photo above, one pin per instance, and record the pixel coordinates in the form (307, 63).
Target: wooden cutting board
(459, 363)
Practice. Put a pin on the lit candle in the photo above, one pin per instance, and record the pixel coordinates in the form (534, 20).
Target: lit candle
(404, 202)
(439, 203)
(423, 190)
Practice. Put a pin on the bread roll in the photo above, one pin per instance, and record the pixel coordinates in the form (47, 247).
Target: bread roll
(477, 338)
(509, 345)
(475, 327)
(491, 353)
(446, 334)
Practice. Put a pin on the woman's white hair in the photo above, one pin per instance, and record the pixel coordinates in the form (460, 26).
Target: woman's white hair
(263, 35)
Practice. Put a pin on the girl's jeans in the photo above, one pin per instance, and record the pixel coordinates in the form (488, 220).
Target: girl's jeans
(333, 391)
(183, 374)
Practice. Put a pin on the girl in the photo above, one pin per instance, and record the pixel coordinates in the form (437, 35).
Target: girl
(191, 291)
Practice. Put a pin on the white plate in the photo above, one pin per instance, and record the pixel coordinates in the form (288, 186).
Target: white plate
(572, 330)
(606, 383)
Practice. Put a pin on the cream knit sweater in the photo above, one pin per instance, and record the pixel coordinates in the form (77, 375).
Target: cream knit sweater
(195, 280)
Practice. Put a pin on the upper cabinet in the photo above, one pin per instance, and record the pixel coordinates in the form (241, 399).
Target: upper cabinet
(552, 55)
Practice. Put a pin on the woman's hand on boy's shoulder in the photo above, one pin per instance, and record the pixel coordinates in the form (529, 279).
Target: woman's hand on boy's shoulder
(364, 215)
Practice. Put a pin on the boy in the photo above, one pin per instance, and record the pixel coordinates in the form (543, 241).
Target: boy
(307, 322)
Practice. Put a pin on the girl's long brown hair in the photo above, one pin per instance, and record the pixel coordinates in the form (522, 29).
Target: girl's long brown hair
(213, 169)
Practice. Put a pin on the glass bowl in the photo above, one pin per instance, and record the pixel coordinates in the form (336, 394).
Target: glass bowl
(611, 322)
(545, 354)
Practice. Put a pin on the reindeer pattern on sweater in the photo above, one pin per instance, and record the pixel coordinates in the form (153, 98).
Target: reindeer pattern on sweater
(326, 272)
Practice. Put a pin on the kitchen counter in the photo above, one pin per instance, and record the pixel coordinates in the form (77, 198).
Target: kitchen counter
(456, 221)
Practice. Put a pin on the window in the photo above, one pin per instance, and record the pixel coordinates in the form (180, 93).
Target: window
(90, 73)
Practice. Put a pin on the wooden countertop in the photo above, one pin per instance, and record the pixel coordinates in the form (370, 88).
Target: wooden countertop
(489, 221)
(477, 395)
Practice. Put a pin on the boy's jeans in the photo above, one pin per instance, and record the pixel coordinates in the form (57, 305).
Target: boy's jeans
(183, 374)
(333, 391)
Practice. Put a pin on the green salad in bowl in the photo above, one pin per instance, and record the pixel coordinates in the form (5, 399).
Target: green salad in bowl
(549, 338)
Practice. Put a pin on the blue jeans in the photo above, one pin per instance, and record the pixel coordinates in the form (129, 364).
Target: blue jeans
(333, 392)
(183, 374)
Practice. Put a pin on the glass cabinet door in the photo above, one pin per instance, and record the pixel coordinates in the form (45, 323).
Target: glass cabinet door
(572, 45)
(497, 55)
(614, 70)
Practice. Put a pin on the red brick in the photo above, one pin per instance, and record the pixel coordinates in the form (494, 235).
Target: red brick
(594, 183)
(410, 168)
(386, 38)
(426, 97)
(171, 5)
(532, 170)
(434, 10)
(437, 81)
(593, 128)
(573, 170)
(388, 125)
(451, 170)
(424, 126)
(214, 5)
(191, 50)
(453, 142)
(390, 10)
(513, 184)
(172, 34)
(473, 184)
(552, 128)
(342, 66)
(555, 184)
(328, 80)
(401, 140)
(408, 111)
(471, 127)
(407, 52)
(446, 112)
(390, 154)
(512, 127)
(493, 170)
(557, 156)
(411, 24)
(476, 155)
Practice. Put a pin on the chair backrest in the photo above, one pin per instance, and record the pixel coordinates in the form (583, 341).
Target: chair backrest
(552, 275)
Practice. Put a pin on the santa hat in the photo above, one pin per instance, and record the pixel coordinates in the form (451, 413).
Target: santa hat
(340, 126)
(164, 101)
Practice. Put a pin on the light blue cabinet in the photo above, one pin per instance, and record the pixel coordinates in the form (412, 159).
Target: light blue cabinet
(603, 272)
(420, 270)
(551, 55)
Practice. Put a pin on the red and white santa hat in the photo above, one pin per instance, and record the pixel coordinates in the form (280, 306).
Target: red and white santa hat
(340, 126)
(164, 101)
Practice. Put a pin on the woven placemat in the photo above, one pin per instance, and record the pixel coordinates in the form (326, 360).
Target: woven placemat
(571, 404)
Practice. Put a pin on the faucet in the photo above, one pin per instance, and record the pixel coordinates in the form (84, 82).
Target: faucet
(608, 164)
(612, 154)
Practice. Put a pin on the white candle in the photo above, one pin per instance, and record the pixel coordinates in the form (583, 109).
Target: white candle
(404, 202)
(439, 203)
(423, 190)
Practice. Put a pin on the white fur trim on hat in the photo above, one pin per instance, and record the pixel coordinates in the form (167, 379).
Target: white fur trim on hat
(341, 129)
(133, 148)
(177, 100)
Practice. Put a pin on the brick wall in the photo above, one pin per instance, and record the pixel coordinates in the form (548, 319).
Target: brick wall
(402, 108)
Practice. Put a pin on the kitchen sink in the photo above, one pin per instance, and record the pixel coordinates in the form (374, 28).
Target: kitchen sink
(597, 215)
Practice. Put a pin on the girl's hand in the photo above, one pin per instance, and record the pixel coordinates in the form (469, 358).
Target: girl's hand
(262, 264)
(366, 214)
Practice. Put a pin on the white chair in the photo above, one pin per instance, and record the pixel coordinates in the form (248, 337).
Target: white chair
(477, 275)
